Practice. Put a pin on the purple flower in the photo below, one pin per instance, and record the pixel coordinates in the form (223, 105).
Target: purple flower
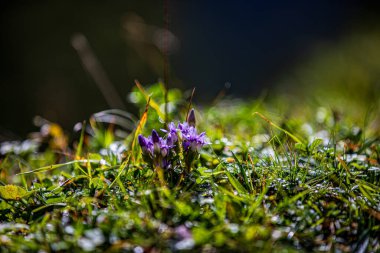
(160, 151)
(161, 146)
(184, 128)
(146, 145)
(193, 141)
(190, 138)
(172, 133)
(156, 149)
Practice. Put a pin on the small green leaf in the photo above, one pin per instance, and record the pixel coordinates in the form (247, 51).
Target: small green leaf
(235, 183)
(183, 208)
(12, 192)
(201, 235)
(315, 144)
(97, 183)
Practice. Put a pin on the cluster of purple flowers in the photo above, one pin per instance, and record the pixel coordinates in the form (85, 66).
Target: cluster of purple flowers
(161, 151)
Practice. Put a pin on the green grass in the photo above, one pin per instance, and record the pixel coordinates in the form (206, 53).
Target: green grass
(277, 177)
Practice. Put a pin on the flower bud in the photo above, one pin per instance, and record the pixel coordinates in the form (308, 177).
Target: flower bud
(191, 118)
(143, 143)
(155, 137)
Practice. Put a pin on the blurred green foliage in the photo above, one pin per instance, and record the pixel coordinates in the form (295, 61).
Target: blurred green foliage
(344, 76)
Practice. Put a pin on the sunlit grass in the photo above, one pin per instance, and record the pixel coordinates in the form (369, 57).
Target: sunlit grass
(276, 177)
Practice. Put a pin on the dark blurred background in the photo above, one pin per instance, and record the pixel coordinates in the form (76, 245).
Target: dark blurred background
(47, 50)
